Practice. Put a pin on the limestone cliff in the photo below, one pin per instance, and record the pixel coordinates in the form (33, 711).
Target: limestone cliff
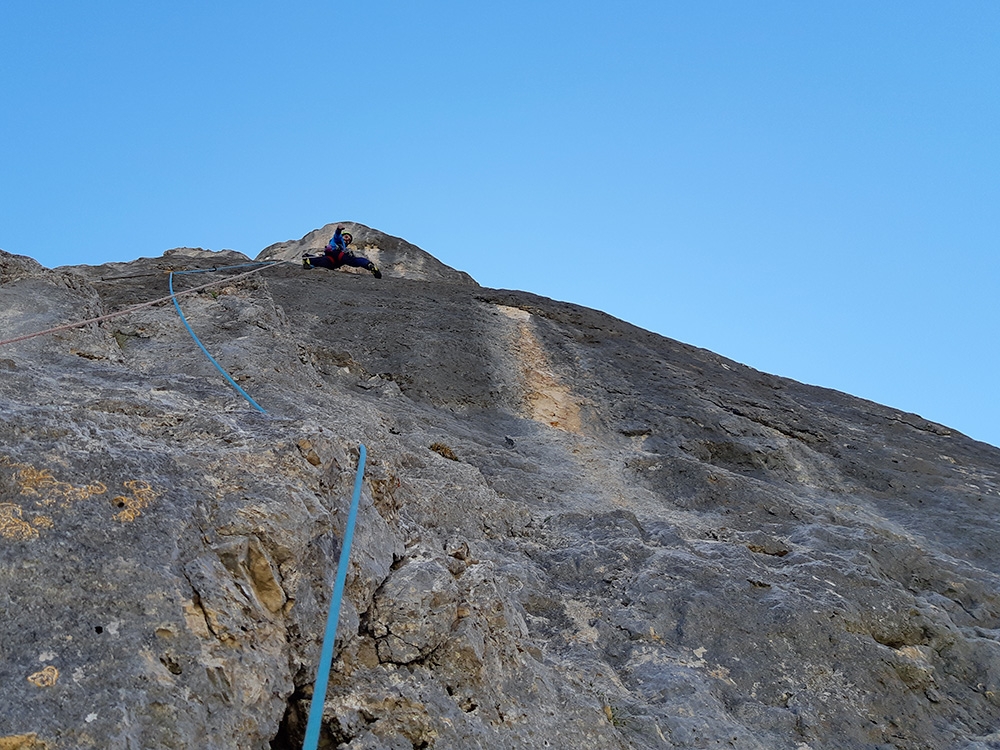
(573, 534)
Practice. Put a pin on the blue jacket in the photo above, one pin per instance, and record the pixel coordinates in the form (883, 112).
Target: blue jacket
(337, 241)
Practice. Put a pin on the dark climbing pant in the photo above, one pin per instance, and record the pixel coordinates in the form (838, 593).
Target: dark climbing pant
(346, 259)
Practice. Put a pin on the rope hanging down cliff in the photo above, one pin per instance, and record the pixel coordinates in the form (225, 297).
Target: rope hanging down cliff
(201, 346)
(333, 616)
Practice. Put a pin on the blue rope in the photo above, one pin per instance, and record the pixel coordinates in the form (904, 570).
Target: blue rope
(326, 655)
(211, 359)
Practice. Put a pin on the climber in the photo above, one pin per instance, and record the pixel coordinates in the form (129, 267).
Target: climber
(336, 254)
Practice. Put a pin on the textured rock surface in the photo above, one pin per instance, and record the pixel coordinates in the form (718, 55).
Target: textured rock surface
(573, 533)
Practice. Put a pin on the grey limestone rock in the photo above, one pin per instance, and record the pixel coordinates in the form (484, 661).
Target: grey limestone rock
(572, 532)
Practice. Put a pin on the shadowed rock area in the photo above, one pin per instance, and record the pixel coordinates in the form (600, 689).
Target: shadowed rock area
(573, 533)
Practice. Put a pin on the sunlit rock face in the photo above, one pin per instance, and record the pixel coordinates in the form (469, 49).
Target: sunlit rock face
(573, 533)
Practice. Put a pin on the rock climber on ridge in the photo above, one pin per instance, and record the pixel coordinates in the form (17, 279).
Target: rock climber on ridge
(336, 254)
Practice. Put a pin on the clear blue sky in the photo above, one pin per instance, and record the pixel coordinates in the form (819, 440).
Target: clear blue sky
(810, 188)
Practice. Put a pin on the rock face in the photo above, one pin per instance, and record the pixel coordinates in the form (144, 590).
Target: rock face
(573, 532)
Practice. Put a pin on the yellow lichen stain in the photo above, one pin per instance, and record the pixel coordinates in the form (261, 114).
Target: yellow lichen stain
(41, 484)
(45, 678)
(142, 496)
(22, 742)
(13, 526)
(49, 491)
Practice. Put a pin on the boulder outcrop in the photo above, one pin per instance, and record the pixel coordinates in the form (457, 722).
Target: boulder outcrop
(572, 533)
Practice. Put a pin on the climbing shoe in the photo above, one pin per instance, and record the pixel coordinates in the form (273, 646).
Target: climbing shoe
(305, 262)
(374, 269)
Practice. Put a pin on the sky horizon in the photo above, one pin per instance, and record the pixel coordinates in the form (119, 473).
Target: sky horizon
(810, 190)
